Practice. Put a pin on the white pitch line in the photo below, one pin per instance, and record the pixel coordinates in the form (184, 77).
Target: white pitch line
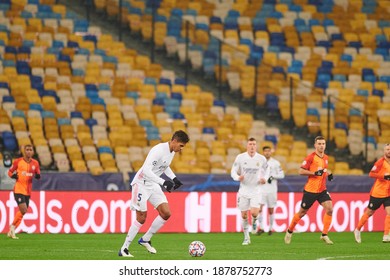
(347, 257)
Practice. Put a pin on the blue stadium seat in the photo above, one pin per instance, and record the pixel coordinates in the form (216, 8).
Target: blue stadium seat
(165, 81)
(370, 139)
(49, 114)
(231, 23)
(91, 87)
(178, 116)
(295, 8)
(57, 44)
(146, 123)
(363, 92)
(340, 77)
(177, 96)
(180, 81)
(92, 94)
(150, 81)
(104, 87)
(220, 103)
(36, 106)
(132, 94)
(341, 125)
(18, 113)
(151, 130)
(355, 112)
(9, 141)
(161, 95)
(355, 44)
(271, 138)
(208, 130)
(215, 19)
(98, 101)
(76, 114)
(378, 92)
(105, 149)
(63, 121)
(91, 122)
(272, 103)
(346, 57)
(336, 37)
(175, 13)
(313, 112)
(159, 101)
(369, 78)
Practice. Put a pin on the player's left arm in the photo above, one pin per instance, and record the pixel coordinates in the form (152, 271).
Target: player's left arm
(169, 173)
(265, 171)
(37, 171)
(172, 176)
(279, 173)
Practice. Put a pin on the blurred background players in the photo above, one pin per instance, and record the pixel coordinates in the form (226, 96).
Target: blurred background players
(269, 191)
(6, 183)
(250, 169)
(146, 186)
(23, 170)
(379, 195)
(315, 166)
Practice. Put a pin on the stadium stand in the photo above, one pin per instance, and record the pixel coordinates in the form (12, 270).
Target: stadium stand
(86, 87)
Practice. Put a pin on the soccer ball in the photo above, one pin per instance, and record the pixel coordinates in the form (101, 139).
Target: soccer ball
(196, 249)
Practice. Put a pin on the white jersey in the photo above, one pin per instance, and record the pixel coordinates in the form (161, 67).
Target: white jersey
(253, 168)
(156, 163)
(275, 171)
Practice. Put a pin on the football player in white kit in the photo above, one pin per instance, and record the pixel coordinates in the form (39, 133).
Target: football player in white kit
(146, 186)
(250, 168)
(269, 191)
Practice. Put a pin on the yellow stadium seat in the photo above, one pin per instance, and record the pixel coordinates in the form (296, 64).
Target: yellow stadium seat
(79, 166)
(341, 168)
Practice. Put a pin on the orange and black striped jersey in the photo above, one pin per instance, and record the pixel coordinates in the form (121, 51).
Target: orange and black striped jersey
(381, 187)
(26, 171)
(313, 163)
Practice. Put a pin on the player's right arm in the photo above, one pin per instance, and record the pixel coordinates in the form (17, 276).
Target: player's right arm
(305, 167)
(150, 162)
(377, 171)
(234, 172)
(13, 168)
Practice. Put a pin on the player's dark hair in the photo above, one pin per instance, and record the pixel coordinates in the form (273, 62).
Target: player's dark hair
(181, 136)
(251, 139)
(266, 147)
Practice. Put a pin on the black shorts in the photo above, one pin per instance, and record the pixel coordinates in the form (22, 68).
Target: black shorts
(21, 198)
(309, 198)
(376, 202)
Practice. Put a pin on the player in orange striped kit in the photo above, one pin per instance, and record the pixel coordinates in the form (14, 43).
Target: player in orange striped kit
(315, 166)
(23, 170)
(379, 194)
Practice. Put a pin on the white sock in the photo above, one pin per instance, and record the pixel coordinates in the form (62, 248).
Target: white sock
(133, 230)
(254, 223)
(155, 226)
(271, 221)
(260, 219)
(245, 225)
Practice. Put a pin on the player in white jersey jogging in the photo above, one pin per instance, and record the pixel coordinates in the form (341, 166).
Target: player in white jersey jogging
(269, 191)
(250, 168)
(146, 186)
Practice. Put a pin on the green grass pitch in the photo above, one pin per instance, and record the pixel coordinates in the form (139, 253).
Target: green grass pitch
(172, 246)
